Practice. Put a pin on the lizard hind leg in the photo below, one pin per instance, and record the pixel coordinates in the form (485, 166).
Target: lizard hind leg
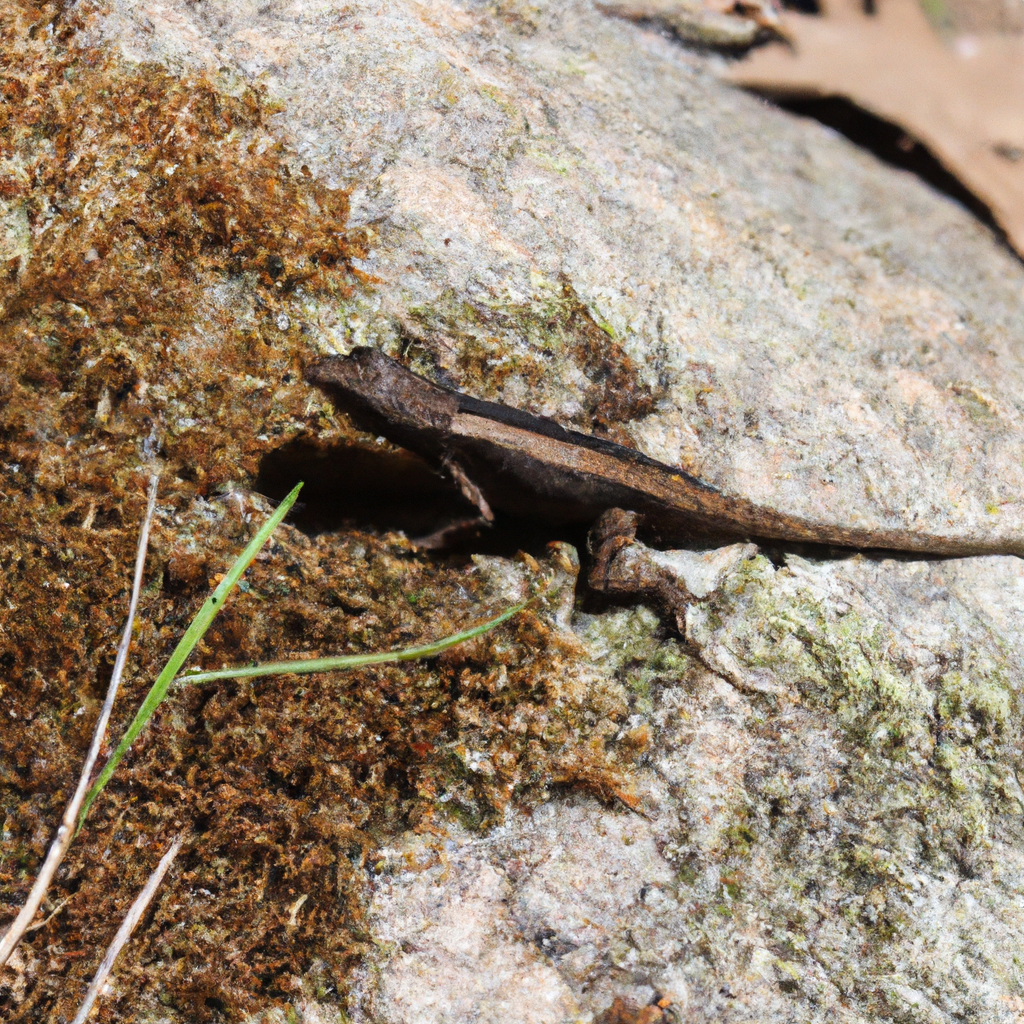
(623, 565)
(612, 531)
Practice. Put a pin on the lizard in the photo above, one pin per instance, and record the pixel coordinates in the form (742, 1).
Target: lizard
(513, 460)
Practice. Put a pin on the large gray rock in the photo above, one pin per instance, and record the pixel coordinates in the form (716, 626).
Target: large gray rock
(832, 821)
(572, 216)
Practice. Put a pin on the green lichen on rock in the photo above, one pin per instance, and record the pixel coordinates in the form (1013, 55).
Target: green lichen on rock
(941, 742)
(631, 644)
(848, 773)
(551, 351)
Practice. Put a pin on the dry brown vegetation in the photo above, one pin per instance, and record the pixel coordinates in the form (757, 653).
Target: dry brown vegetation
(134, 195)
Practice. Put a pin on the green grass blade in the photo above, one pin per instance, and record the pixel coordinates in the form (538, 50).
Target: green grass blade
(200, 624)
(345, 661)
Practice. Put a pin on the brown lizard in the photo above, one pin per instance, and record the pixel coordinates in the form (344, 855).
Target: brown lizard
(522, 463)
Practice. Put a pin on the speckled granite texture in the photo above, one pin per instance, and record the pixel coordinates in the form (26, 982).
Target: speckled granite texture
(776, 312)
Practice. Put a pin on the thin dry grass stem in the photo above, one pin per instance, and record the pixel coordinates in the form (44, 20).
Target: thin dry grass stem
(46, 920)
(66, 831)
(124, 933)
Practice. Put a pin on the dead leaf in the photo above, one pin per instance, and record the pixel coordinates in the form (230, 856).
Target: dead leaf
(964, 101)
(729, 24)
(625, 1011)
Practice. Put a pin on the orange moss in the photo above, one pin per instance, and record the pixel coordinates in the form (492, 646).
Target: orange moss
(137, 195)
(149, 181)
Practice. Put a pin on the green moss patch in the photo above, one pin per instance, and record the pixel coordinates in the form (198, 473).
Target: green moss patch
(938, 741)
(553, 348)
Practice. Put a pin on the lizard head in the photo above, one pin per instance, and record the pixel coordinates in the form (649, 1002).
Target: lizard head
(387, 398)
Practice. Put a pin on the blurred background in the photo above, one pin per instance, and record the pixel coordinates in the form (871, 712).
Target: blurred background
(933, 86)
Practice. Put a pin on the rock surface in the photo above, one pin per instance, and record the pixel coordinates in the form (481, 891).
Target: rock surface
(832, 821)
(573, 216)
(793, 798)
